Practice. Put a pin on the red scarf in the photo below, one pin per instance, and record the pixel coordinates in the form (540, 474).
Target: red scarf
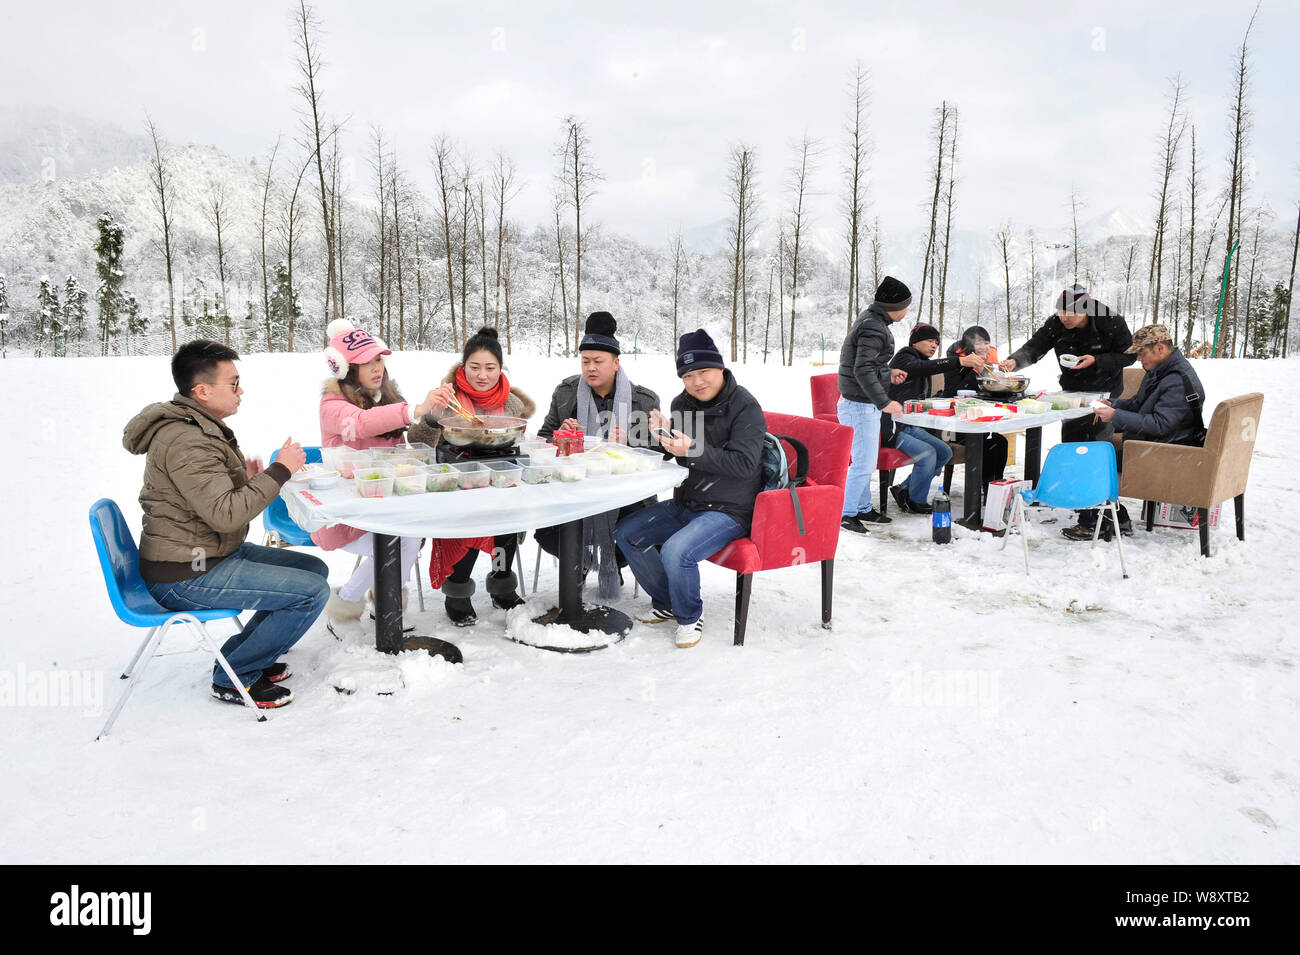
(491, 402)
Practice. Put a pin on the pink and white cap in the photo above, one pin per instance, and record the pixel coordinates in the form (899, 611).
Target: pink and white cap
(350, 346)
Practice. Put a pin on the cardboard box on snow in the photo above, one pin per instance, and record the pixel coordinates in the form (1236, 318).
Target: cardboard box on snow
(998, 505)
(1176, 515)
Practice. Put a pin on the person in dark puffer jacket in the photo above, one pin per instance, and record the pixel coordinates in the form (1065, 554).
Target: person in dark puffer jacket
(1164, 410)
(864, 381)
(721, 443)
(930, 454)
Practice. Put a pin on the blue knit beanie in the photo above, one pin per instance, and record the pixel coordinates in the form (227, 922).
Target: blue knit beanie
(696, 350)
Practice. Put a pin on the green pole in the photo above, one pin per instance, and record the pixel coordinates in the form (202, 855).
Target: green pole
(1223, 294)
(635, 336)
(823, 348)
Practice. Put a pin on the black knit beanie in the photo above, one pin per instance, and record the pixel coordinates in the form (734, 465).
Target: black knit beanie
(696, 350)
(600, 334)
(1074, 299)
(922, 333)
(893, 295)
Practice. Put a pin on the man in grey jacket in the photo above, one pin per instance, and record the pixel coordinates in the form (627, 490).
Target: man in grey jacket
(864, 381)
(1168, 408)
(602, 401)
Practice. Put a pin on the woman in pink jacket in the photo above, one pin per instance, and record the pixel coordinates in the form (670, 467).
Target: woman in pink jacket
(362, 408)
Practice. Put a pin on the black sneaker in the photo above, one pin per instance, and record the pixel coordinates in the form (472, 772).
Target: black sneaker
(461, 611)
(277, 672)
(852, 524)
(905, 502)
(1081, 532)
(265, 694)
(873, 516)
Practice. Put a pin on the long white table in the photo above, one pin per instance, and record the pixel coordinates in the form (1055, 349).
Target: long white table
(479, 513)
(973, 433)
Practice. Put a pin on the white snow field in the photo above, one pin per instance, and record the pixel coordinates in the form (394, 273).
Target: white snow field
(958, 711)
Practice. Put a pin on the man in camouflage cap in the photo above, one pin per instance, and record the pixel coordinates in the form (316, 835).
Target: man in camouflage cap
(1167, 408)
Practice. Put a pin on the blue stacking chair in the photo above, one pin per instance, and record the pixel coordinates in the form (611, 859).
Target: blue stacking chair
(280, 529)
(119, 559)
(1076, 475)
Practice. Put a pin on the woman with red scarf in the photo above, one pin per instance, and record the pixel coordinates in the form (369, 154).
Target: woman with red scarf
(481, 386)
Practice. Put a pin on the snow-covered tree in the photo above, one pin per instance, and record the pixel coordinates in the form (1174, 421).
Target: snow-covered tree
(108, 295)
(136, 320)
(284, 305)
(4, 313)
(74, 313)
(49, 327)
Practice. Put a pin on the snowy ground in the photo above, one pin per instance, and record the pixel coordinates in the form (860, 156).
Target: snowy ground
(957, 712)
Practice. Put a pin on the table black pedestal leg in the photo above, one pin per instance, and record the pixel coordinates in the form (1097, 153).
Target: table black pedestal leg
(389, 637)
(388, 593)
(972, 496)
(1033, 455)
(571, 611)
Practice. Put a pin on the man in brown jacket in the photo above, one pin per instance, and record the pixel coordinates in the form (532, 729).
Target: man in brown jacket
(198, 498)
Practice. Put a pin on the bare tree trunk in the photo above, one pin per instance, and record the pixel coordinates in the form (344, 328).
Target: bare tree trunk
(395, 191)
(679, 264)
(419, 272)
(940, 132)
(855, 174)
(799, 184)
(1075, 202)
(504, 189)
(877, 253)
(740, 191)
(309, 65)
(1240, 119)
(480, 223)
(382, 178)
(442, 167)
(1193, 303)
(507, 278)
(266, 283)
(462, 236)
(1290, 285)
(1174, 130)
(216, 205)
(1004, 244)
(336, 215)
(558, 209)
(160, 175)
(291, 228)
(578, 178)
(780, 283)
(947, 225)
(767, 327)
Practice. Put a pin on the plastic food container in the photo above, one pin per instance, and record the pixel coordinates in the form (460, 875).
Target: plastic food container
(410, 479)
(374, 482)
(333, 457)
(621, 465)
(420, 453)
(591, 441)
(599, 465)
(543, 455)
(323, 480)
(442, 477)
(568, 471)
(940, 403)
(503, 473)
(471, 474)
(1068, 361)
(966, 393)
(646, 459)
(538, 473)
(390, 457)
(353, 461)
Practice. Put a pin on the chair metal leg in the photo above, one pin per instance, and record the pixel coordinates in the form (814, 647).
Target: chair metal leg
(1239, 505)
(146, 651)
(139, 650)
(1119, 538)
(828, 591)
(519, 562)
(225, 665)
(1203, 521)
(537, 567)
(743, 584)
(1023, 522)
(419, 583)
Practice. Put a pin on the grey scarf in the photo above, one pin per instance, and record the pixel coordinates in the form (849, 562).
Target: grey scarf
(598, 531)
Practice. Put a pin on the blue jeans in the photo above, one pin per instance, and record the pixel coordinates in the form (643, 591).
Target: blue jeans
(929, 456)
(287, 589)
(864, 419)
(671, 574)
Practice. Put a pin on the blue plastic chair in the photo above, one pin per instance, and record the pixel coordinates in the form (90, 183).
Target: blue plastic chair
(280, 529)
(1076, 475)
(119, 559)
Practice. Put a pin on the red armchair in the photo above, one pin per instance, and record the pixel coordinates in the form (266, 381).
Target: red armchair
(825, 399)
(774, 540)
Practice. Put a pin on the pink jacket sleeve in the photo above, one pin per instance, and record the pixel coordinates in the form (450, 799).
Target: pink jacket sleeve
(342, 422)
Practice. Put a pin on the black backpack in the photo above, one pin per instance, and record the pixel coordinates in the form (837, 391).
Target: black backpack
(775, 469)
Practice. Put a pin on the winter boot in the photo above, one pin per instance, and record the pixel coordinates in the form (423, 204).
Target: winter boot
(339, 613)
(504, 589)
(460, 609)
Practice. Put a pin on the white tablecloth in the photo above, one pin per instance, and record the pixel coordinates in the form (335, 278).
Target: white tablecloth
(476, 513)
(1012, 422)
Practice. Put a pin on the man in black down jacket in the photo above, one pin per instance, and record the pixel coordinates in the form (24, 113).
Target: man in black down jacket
(602, 400)
(1167, 408)
(720, 442)
(1098, 338)
(864, 381)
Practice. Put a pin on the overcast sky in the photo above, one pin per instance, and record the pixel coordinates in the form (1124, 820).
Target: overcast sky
(1048, 93)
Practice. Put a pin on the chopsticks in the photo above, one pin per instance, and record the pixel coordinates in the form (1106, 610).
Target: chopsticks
(471, 418)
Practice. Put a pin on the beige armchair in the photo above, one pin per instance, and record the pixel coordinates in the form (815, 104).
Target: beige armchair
(1197, 477)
